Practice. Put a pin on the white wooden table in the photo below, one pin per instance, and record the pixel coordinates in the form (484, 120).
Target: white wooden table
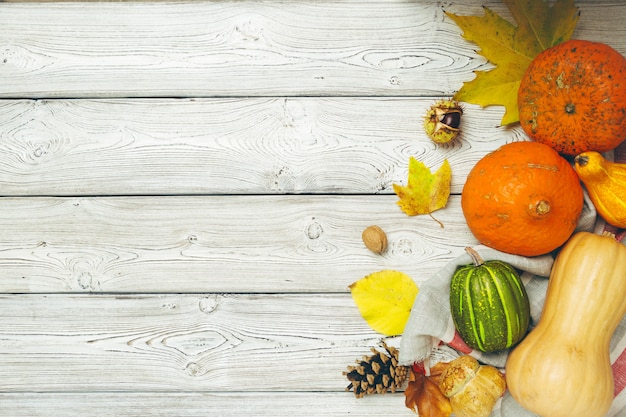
(183, 188)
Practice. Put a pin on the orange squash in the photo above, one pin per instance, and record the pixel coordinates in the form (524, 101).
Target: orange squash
(523, 198)
(572, 97)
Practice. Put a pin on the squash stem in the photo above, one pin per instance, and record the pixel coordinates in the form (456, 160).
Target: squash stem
(541, 208)
(478, 261)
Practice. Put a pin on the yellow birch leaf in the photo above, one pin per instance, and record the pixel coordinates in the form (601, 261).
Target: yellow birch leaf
(385, 299)
(425, 191)
(540, 25)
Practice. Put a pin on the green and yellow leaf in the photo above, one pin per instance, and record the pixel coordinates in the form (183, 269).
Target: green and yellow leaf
(425, 191)
(540, 25)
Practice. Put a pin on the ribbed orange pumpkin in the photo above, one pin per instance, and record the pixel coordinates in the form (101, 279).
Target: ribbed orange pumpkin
(523, 198)
(572, 97)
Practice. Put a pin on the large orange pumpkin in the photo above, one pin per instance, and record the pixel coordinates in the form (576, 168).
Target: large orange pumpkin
(573, 97)
(523, 198)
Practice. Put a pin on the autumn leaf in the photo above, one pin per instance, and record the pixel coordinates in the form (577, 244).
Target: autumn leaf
(512, 48)
(425, 192)
(385, 299)
(423, 396)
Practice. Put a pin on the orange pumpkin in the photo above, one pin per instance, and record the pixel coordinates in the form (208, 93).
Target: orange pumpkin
(572, 97)
(523, 198)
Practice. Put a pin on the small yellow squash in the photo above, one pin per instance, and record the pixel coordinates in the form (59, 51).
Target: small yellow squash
(562, 367)
(472, 388)
(606, 184)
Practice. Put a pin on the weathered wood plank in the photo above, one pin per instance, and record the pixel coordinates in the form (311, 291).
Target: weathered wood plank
(248, 48)
(203, 342)
(215, 244)
(229, 48)
(229, 146)
(274, 404)
(180, 321)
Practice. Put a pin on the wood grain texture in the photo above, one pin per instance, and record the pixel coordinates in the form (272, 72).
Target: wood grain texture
(248, 48)
(141, 343)
(194, 404)
(229, 146)
(183, 187)
(228, 48)
(215, 244)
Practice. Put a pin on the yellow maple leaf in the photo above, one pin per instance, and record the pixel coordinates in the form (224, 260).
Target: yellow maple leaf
(385, 299)
(512, 48)
(425, 192)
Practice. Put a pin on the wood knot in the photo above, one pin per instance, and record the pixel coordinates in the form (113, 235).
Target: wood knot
(86, 281)
(314, 230)
(403, 247)
(208, 304)
(283, 180)
(194, 369)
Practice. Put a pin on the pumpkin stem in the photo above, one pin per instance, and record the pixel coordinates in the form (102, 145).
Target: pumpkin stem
(478, 261)
(540, 208)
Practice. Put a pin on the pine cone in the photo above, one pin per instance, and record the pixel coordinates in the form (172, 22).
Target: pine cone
(377, 373)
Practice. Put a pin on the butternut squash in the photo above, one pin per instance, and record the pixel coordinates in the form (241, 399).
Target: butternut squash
(562, 367)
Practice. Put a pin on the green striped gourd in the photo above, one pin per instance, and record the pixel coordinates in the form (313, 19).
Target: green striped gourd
(489, 304)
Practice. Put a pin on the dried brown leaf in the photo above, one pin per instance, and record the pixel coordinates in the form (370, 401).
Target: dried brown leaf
(424, 397)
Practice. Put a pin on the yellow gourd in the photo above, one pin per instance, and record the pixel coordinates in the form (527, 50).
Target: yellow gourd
(562, 367)
(472, 388)
(606, 184)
